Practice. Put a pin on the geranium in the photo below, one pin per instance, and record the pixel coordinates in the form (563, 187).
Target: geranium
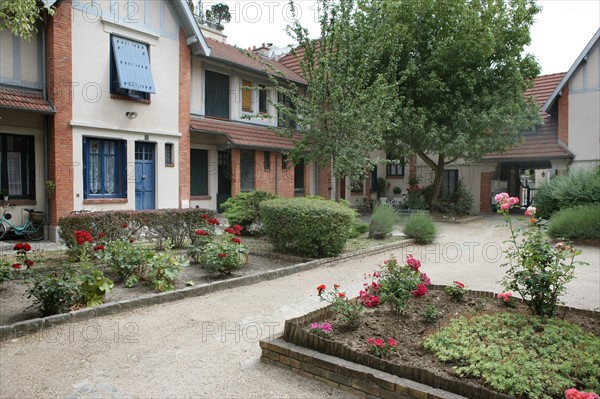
(202, 233)
(99, 248)
(380, 348)
(124, 225)
(459, 284)
(321, 329)
(26, 247)
(341, 295)
(507, 299)
(236, 240)
(420, 291)
(205, 216)
(101, 235)
(456, 291)
(29, 263)
(16, 266)
(321, 288)
(18, 247)
(413, 263)
(214, 222)
(83, 236)
(222, 255)
(347, 311)
(573, 393)
(369, 296)
(229, 230)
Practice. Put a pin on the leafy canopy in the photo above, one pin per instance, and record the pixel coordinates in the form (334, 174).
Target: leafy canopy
(21, 16)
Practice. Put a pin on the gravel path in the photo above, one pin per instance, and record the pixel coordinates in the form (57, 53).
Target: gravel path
(208, 346)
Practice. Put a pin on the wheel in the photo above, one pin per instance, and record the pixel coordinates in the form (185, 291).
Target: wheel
(35, 232)
(2, 230)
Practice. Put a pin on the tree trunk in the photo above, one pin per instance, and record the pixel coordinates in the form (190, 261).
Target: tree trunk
(438, 170)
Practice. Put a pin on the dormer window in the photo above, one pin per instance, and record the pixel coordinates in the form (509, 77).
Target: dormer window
(130, 70)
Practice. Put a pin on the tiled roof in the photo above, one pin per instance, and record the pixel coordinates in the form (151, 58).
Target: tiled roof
(28, 100)
(543, 144)
(243, 134)
(292, 60)
(244, 58)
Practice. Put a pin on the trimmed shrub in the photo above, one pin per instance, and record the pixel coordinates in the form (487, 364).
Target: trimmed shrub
(383, 220)
(421, 228)
(307, 227)
(578, 188)
(577, 223)
(176, 225)
(244, 209)
(358, 228)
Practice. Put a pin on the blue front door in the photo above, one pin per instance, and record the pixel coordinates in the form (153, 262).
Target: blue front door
(144, 176)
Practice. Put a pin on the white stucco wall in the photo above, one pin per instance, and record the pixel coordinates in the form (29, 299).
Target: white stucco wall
(584, 111)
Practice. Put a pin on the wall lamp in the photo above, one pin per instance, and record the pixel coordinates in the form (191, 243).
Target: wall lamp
(131, 115)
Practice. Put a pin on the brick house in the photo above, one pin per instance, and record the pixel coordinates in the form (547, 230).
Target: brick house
(130, 105)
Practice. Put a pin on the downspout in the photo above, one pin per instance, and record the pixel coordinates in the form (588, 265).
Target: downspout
(45, 96)
(316, 178)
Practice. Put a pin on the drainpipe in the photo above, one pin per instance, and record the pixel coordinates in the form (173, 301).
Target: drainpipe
(316, 178)
(45, 96)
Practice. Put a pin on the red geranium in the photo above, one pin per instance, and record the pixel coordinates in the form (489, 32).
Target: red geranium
(320, 289)
(213, 221)
(420, 291)
(101, 235)
(236, 240)
(202, 233)
(341, 295)
(18, 247)
(16, 266)
(205, 216)
(229, 230)
(99, 248)
(459, 284)
(124, 225)
(29, 262)
(222, 255)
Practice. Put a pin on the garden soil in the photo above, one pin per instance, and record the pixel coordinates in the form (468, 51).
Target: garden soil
(208, 346)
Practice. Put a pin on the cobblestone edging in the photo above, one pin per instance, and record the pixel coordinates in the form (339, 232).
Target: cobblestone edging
(315, 357)
(362, 381)
(26, 327)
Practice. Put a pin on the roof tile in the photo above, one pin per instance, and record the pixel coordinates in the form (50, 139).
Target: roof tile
(28, 100)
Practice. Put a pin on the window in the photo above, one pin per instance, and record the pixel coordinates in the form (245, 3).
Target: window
(169, 154)
(267, 160)
(395, 169)
(104, 168)
(374, 179)
(246, 96)
(198, 172)
(449, 182)
(246, 170)
(17, 166)
(262, 99)
(130, 71)
(216, 95)
(283, 119)
(299, 180)
(284, 161)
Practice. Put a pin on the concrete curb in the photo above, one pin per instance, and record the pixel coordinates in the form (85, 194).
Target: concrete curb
(16, 330)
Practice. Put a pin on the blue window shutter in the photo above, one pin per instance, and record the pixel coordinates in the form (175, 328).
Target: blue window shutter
(133, 65)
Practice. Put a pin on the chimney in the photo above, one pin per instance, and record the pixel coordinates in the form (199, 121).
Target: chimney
(264, 50)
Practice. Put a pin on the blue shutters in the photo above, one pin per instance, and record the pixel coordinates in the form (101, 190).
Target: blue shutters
(132, 62)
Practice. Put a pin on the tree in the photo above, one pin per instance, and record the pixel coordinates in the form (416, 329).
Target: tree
(217, 14)
(21, 16)
(460, 76)
(344, 111)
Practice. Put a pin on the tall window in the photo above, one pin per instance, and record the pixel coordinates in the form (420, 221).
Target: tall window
(216, 95)
(169, 154)
(283, 119)
(104, 168)
(374, 179)
(130, 70)
(246, 170)
(246, 96)
(395, 169)
(267, 160)
(262, 99)
(199, 172)
(449, 182)
(17, 166)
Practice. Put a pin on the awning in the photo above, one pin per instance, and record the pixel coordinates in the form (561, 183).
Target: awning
(26, 100)
(133, 65)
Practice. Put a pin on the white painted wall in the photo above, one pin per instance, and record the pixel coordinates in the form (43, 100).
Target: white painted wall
(584, 111)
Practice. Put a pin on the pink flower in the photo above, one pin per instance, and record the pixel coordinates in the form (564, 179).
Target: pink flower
(392, 342)
(420, 291)
(459, 284)
(530, 211)
(573, 393)
(513, 201)
(378, 342)
(505, 206)
(501, 197)
(414, 264)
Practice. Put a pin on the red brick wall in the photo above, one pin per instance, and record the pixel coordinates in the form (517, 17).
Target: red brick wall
(412, 167)
(563, 115)
(485, 191)
(235, 172)
(265, 178)
(184, 118)
(286, 180)
(324, 181)
(60, 133)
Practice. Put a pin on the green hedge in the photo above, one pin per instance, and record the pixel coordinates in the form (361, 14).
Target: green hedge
(244, 209)
(178, 225)
(577, 223)
(578, 188)
(307, 227)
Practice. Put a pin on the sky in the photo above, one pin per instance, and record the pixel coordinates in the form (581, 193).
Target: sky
(562, 30)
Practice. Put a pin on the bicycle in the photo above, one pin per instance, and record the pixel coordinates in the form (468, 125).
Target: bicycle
(33, 230)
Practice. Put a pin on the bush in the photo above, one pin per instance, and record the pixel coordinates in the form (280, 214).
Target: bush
(358, 228)
(461, 200)
(224, 253)
(54, 293)
(176, 225)
(421, 228)
(383, 220)
(307, 227)
(577, 223)
(244, 209)
(578, 188)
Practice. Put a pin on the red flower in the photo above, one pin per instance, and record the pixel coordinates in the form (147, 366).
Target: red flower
(124, 225)
(29, 262)
(27, 247)
(16, 266)
(83, 236)
(99, 248)
(101, 235)
(459, 284)
(341, 295)
(320, 289)
(236, 240)
(205, 216)
(392, 342)
(230, 231)
(533, 220)
(420, 291)
(336, 286)
(214, 221)
(18, 247)
(222, 255)
(378, 342)
(131, 240)
(202, 233)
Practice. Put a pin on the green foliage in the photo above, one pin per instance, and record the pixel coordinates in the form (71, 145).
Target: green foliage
(127, 259)
(217, 14)
(6, 271)
(244, 209)
(578, 188)
(307, 227)
(577, 223)
(397, 281)
(224, 254)
(358, 228)
(176, 225)
(459, 202)
(514, 354)
(430, 314)
(381, 183)
(22, 16)
(415, 199)
(347, 311)
(421, 228)
(93, 286)
(54, 293)
(456, 291)
(163, 269)
(383, 220)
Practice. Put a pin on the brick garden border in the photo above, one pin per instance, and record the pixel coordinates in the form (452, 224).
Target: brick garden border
(16, 330)
(362, 373)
